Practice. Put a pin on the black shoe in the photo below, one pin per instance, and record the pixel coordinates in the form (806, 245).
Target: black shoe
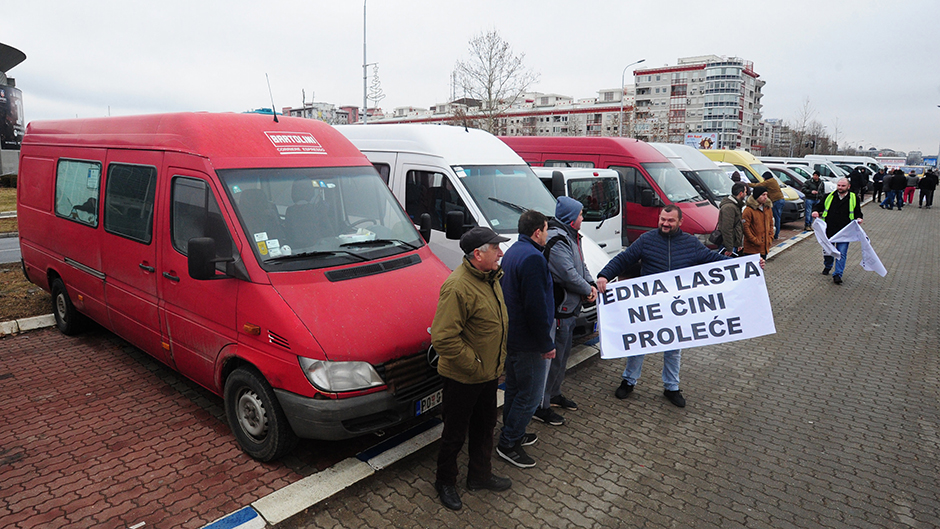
(548, 416)
(837, 280)
(560, 401)
(881, 206)
(449, 496)
(675, 397)
(529, 439)
(495, 483)
(825, 271)
(516, 455)
(624, 390)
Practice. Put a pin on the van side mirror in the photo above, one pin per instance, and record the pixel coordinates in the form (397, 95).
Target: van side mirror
(558, 184)
(646, 198)
(454, 225)
(201, 258)
(424, 223)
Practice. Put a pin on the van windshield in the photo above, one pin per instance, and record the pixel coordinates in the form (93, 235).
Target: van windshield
(671, 181)
(305, 218)
(716, 181)
(504, 192)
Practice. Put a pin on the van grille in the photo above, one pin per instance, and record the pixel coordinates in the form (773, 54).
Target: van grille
(372, 269)
(409, 377)
(279, 340)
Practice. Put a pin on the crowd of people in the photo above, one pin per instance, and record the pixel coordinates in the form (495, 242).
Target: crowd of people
(899, 189)
(518, 317)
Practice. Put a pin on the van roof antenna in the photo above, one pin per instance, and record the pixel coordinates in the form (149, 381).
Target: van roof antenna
(273, 108)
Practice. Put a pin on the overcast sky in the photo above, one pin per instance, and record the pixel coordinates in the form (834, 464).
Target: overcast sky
(872, 69)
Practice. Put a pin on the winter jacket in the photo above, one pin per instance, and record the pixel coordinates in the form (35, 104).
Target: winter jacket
(566, 263)
(809, 186)
(758, 227)
(838, 216)
(660, 253)
(929, 181)
(912, 181)
(470, 326)
(898, 182)
(773, 189)
(729, 223)
(527, 289)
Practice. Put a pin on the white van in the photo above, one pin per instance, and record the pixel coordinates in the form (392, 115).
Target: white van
(460, 178)
(598, 190)
(704, 175)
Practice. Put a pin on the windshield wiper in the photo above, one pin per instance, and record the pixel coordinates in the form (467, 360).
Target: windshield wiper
(509, 205)
(303, 255)
(379, 242)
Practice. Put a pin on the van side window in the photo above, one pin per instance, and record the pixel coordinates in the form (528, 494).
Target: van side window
(747, 174)
(194, 212)
(633, 183)
(128, 201)
(598, 196)
(569, 163)
(76, 191)
(384, 171)
(433, 193)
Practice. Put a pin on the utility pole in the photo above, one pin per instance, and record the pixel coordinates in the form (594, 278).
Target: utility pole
(365, 69)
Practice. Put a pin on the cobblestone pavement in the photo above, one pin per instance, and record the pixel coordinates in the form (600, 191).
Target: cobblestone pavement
(831, 422)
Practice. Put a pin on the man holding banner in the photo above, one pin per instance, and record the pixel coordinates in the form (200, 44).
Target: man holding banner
(664, 249)
(838, 209)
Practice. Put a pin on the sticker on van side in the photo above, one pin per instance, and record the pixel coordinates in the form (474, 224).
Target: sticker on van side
(295, 143)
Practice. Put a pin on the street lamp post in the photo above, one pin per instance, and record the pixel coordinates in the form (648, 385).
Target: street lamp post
(622, 80)
(365, 69)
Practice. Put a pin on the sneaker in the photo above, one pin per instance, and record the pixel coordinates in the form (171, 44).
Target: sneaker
(516, 455)
(837, 280)
(624, 390)
(495, 483)
(675, 397)
(548, 416)
(825, 271)
(560, 401)
(529, 439)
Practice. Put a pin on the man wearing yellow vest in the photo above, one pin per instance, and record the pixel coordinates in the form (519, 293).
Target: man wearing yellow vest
(838, 209)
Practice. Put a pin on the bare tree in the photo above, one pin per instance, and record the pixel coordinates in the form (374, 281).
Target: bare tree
(493, 75)
(800, 143)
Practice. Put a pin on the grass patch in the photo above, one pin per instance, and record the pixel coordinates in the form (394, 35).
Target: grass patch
(18, 297)
(7, 199)
(7, 225)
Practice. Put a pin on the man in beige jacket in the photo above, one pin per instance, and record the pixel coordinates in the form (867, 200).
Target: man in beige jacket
(469, 334)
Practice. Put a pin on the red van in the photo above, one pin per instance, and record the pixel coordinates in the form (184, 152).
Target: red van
(264, 259)
(648, 180)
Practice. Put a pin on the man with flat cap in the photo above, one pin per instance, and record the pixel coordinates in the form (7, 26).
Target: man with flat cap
(469, 334)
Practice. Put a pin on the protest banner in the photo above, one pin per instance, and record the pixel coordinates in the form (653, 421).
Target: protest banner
(700, 305)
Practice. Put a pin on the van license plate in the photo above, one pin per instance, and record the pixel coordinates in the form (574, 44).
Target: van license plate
(430, 402)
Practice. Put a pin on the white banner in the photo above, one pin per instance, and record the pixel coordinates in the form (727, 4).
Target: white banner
(700, 305)
(870, 260)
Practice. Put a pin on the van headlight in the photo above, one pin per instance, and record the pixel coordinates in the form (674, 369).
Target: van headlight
(335, 377)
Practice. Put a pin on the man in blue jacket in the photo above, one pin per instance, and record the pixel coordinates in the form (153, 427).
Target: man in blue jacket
(666, 248)
(527, 289)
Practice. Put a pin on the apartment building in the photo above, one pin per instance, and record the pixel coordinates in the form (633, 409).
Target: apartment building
(703, 94)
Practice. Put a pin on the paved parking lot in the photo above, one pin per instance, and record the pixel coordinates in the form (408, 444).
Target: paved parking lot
(831, 422)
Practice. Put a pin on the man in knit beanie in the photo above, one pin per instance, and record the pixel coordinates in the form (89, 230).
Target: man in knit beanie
(573, 284)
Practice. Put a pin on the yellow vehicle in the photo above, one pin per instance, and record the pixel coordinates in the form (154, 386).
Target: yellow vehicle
(753, 170)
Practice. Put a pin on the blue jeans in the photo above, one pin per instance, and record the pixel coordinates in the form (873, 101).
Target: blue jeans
(890, 198)
(810, 203)
(564, 331)
(671, 360)
(778, 211)
(843, 248)
(525, 385)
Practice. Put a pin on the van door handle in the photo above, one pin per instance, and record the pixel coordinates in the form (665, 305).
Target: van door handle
(171, 277)
(146, 268)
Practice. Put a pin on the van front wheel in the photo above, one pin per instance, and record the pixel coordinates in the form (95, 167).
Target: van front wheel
(256, 417)
(67, 318)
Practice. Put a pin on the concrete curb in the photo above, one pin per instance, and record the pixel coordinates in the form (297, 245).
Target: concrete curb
(26, 324)
(9, 234)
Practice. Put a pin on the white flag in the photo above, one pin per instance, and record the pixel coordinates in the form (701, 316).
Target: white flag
(819, 228)
(870, 260)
